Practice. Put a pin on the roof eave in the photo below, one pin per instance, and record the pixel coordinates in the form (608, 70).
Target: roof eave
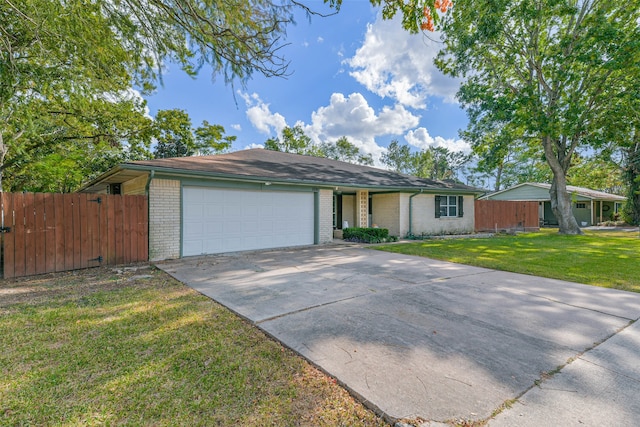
(328, 184)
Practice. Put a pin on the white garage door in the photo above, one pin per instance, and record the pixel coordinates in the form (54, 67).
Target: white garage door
(226, 220)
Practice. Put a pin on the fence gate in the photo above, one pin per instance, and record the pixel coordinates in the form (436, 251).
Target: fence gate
(47, 232)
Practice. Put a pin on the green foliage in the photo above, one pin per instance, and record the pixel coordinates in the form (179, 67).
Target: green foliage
(367, 235)
(345, 151)
(545, 74)
(399, 158)
(293, 140)
(412, 12)
(63, 65)
(598, 172)
(175, 136)
(631, 209)
(505, 161)
(62, 147)
(210, 139)
(437, 163)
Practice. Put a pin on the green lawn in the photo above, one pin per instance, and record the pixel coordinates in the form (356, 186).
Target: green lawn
(607, 259)
(100, 348)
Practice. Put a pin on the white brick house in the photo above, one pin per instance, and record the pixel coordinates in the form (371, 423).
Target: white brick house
(260, 199)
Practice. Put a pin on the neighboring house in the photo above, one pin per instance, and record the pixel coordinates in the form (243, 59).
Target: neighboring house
(259, 199)
(589, 206)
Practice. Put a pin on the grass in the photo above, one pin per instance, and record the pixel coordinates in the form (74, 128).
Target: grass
(100, 348)
(606, 259)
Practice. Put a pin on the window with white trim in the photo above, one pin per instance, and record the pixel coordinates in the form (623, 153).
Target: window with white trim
(581, 205)
(449, 206)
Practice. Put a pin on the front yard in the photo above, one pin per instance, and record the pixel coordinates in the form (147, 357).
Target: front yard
(99, 347)
(607, 259)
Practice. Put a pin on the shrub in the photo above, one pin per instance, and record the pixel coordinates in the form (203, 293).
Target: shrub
(367, 235)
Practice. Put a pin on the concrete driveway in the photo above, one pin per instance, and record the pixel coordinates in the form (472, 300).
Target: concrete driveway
(415, 337)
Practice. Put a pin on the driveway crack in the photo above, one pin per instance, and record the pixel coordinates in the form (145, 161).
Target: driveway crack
(311, 307)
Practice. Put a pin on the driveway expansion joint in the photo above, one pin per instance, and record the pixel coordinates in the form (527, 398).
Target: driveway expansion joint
(581, 307)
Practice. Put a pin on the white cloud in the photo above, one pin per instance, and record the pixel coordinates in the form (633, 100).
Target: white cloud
(395, 64)
(320, 40)
(353, 117)
(261, 117)
(421, 139)
(236, 126)
(132, 95)
(253, 145)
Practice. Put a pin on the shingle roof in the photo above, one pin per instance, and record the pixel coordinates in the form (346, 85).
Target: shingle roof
(585, 192)
(293, 168)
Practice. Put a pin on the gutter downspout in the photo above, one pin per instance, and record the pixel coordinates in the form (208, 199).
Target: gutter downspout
(146, 192)
(146, 187)
(411, 208)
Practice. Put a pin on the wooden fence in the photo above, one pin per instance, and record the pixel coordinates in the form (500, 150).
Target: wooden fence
(46, 232)
(497, 215)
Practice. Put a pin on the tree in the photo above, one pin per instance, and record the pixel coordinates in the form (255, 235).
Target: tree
(544, 72)
(175, 136)
(631, 209)
(437, 163)
(56, 57)
(446, 163)
(505, 163)
(210, 139)
(60, 148)
(598, 172)
(399, 158)
(345, 151)
(293, 140)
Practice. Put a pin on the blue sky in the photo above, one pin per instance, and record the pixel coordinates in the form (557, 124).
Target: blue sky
(352, 74)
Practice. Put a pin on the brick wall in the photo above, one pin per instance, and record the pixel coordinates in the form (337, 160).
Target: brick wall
(164, 219)
(348, 209)
(326, 216)
(386, 212)
(424, 220)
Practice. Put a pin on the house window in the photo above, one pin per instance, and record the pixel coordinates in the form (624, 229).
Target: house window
(449, 206)
(581, 206)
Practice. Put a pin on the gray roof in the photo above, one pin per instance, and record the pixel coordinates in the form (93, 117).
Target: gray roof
(277, 167)
(585, 192)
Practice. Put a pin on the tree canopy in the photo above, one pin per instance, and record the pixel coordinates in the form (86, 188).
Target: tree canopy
(437, 163)
(175, 136)
(63, 65)
(545, 74)
(294, 140)
(345, 151)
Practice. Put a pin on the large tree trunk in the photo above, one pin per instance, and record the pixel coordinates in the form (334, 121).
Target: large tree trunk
(632, 177)
(560, 199)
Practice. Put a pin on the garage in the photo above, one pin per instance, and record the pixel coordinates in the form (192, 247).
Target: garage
(218, 220)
